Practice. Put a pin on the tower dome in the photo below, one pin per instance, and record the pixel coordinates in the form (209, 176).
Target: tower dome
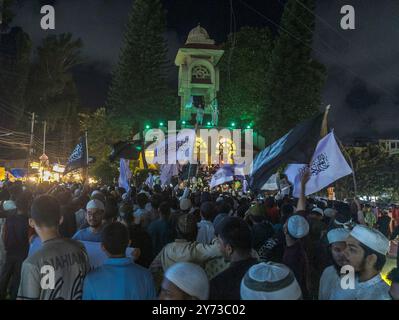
(199, 35)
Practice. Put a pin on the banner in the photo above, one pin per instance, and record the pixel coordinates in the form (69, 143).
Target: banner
(327, 165)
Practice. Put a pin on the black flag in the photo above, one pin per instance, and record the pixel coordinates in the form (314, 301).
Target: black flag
(78, 157)
(297, 146)
(126, 149)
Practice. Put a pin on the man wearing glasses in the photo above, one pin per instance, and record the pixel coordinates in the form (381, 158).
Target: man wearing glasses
(94, 216)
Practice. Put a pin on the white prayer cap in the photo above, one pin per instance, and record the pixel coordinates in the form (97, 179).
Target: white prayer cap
(96, 192)
(9, 205)
(189, 278)
(371, 238)
(270, 281)
(337, 235)
(318, 210)
(124, 196)
(298, 227)
(329, 212)
(95, 204)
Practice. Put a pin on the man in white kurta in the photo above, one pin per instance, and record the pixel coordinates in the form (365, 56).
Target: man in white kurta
(330, 277)
(365, 252)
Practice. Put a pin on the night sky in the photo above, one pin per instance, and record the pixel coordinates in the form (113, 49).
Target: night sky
(362, 64)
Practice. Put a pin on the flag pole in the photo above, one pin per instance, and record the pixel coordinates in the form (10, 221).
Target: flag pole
(324, 127)
(323, 133)
(87, 159)
(189, 165)
(324, 124)
(351, 165)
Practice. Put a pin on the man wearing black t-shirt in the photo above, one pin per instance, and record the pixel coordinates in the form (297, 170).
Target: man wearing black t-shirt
(235, 241)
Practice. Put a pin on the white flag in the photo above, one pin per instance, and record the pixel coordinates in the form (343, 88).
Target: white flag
(124, 174)
(292, 171)
(328, 165)
(271, 184)
(167, 172)
(150, 180)
(223, 175)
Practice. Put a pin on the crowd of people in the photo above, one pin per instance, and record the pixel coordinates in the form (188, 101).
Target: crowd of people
(185, 243)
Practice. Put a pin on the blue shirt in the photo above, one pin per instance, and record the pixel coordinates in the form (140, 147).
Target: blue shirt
(87, 235)
(119, 279)
(35, 245)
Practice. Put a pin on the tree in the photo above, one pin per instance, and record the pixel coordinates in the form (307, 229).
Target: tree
(104, 130)
(243, 70)
(294, 80)
(376, 173)
(52, 91)
(138, 90)
(15, 49)
(6, 14)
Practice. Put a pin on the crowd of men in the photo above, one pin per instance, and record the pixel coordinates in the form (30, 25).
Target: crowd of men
(184, 243)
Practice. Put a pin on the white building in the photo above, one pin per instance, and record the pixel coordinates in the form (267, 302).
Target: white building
(392, 146)
(198, 71)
